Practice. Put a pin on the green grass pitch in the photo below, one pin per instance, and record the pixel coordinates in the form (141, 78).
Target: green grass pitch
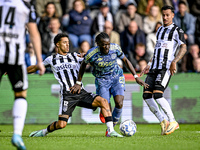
(91, 137)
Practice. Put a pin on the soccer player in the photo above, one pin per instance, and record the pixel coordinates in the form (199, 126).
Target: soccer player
(109, 78)
(161, 67)
(14, 16)
(65, 67)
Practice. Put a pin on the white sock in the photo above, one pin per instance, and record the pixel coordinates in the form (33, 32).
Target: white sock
(153, 106)
(166, 108)
(110, 126)
(45, 131)
(19, 115)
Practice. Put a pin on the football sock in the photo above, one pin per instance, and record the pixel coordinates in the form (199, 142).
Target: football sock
(19, 115)
(109, 124)
(116, 114)
(166, 108)
(153, 106)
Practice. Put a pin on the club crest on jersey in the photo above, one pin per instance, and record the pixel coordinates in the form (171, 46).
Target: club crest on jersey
(113, 56)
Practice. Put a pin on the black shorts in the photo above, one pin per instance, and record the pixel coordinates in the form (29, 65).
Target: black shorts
(17, 75)
(157, 80)
(69, 101)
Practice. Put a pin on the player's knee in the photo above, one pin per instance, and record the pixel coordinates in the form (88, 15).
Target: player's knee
(103, 102)
(119, 104)
(157, 95)
(147, 96)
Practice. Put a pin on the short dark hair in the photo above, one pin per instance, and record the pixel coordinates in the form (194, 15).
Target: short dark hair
(101, 35)
(59, 36)
(182, 2)
(167, 7)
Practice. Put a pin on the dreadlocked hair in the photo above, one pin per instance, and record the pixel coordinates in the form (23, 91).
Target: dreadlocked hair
(101, 35)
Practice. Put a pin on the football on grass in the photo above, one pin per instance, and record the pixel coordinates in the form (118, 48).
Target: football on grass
(128, 128)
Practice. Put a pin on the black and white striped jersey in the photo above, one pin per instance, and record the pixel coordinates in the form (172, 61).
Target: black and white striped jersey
(14, 14)
(168, 40)
(65, 68)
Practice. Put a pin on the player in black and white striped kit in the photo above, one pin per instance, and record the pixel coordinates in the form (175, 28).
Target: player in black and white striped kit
(65, 67)
(161, 67)
(15, 15)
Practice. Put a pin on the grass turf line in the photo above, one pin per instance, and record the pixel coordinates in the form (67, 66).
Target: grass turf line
(91, 137)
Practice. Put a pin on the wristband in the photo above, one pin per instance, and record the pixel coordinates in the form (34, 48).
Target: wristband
(149, 64)
(78, 82)
(135, 76)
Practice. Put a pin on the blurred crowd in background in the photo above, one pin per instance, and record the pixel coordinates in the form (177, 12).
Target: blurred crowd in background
(132, 24)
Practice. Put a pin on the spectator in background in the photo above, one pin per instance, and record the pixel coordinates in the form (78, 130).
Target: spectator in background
(191, 61)
(102, 16)
(140, 57)
(145, 5)
(186, 22)
(83, 48)
(128, 16)
(48, 46)
(50, 11)
(151, 20)
(173, 3)
(30, 57)
(41, 7)
(130, 38)
(114, 36)
(79, 24)
(195, 8)
(151, 40)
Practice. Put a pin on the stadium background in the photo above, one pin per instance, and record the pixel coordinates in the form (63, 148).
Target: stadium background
(183, 93)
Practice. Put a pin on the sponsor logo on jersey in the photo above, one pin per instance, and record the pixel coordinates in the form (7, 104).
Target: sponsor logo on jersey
(64, 66)
(99, 59)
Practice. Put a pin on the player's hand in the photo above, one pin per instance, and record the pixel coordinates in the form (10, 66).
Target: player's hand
(41, 68)
(81, 55)
(172, 68)
(141, 82)
(145, 70)
(75, 89)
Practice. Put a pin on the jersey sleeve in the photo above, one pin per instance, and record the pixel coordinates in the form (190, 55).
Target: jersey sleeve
(180, 37)
(32, 14)
(47, 61)
(79, 59)
(120, 53)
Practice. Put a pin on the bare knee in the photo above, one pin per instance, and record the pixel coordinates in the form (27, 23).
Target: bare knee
(119, 104)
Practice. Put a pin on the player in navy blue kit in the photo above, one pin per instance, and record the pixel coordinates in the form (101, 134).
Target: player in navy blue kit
(109, 78)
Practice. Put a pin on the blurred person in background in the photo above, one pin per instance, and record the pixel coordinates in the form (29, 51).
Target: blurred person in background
(191, 61)
(151, 40)
(12, 57)
(130, 38)
(144, 6)
(41, 6)
(99, 21)
(151, 19)
(128, 16)
(50, 12)
(79, 24)
(186, 22)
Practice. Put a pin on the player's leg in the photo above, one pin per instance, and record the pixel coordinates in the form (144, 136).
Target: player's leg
(158, 91)
(117, 90)
(102, 89)
(68, 103)
(103, 104)
(153, 106)
(18, 78)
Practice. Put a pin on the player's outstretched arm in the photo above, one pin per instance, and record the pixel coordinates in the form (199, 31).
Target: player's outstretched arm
(32, 69)
(35, 39)
(181, 53)
(132, 70)
(77, 87)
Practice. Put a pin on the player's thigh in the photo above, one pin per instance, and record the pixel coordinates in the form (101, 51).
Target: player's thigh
(18, 77)
(150, 80)
(103, 88)
(118, 86)
(162, 80)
